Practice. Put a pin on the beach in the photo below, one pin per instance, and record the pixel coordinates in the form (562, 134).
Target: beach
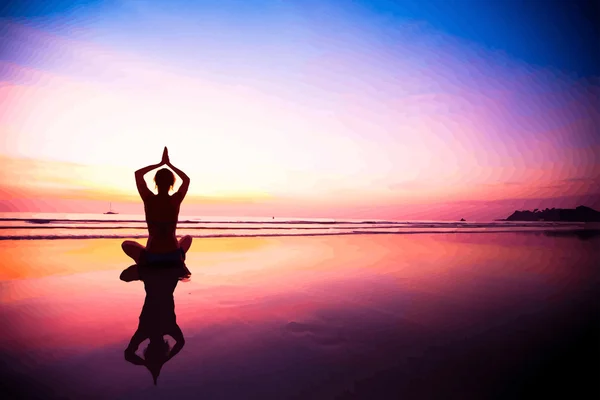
(393, 200)
(443, 315)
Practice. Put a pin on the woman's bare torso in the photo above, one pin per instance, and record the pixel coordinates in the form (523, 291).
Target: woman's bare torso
(162, 212)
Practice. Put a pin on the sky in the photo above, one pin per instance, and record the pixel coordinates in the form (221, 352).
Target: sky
(362, 109)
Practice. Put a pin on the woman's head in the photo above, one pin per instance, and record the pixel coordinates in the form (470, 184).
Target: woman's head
(164, 180)
(157, 350)
(155, 355)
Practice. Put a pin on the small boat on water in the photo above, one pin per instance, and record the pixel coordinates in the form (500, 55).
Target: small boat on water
(110, 211)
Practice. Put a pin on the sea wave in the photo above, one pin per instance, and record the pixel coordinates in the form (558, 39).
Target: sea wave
(564, 230)
(44, 221)
(88, 226)
(195, 221)
(119, 223)
(337, 226)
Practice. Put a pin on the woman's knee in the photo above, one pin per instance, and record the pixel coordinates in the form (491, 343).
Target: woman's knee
(185, 242)
(127, 243)
(130, 274)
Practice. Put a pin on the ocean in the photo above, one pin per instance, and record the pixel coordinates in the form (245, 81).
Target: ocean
(32, 226)
(396, 315)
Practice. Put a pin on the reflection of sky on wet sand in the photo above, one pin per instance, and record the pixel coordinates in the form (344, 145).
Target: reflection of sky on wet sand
(273, 317)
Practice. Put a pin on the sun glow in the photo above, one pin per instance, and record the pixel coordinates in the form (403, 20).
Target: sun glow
(338, 124)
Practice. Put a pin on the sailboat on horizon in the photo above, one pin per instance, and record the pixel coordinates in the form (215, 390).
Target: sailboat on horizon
(110, 211)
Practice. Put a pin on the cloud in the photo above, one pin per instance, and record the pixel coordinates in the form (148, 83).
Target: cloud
(413, 184)
(581, 179)
(51, 178)
(506, 183)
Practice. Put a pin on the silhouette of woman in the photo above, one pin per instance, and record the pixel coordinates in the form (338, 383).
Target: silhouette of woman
(162, 211)
(156, 320)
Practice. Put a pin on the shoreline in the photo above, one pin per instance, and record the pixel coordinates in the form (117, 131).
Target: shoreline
(33, 258)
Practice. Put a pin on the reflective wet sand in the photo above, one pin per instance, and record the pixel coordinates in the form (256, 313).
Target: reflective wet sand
(504, 315)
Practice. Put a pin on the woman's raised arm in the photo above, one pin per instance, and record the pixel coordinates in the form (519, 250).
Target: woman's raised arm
(186, 180)
(137, 338)
(139, 175)
(141, 183)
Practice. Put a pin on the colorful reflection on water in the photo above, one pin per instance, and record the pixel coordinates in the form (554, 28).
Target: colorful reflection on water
(313, 317)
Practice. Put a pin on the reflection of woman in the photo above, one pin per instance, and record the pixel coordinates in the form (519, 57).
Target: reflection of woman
(162, 211)
(156, 320)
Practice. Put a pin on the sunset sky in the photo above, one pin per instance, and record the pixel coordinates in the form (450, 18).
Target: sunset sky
(362, 109)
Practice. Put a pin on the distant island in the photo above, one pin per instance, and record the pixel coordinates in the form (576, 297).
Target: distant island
(579, 214)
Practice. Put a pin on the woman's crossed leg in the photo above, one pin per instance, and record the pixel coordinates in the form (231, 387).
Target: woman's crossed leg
(135, 250)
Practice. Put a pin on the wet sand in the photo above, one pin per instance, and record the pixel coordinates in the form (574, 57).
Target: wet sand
(482, 316)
